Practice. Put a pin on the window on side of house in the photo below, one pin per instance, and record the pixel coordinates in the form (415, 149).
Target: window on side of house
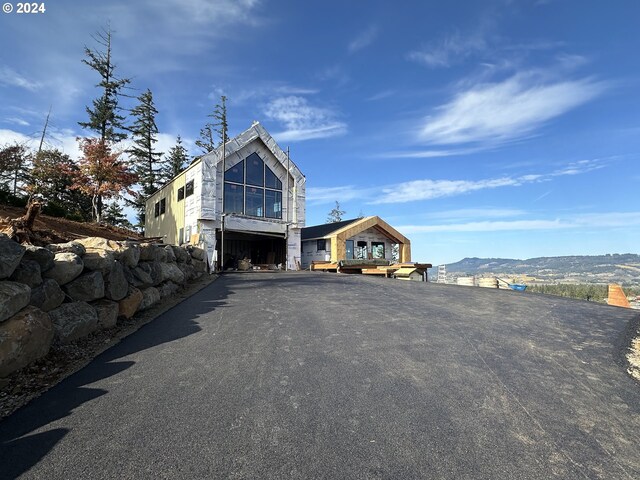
(181, 193)
(233, 198)
(163, 205)
(321, 245)
(270, 179)
(254, 201)
(273, 204)
(255, 170)
(188, 188)
(361, 249)
(377, 249)
(235, 174)
(156, 209)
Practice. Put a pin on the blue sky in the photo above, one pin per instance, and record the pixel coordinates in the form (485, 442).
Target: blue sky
(489, 129)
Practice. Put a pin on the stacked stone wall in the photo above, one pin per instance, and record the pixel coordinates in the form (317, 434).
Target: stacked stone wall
(63, 292)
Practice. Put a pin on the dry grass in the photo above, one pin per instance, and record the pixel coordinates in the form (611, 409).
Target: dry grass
(634, 358)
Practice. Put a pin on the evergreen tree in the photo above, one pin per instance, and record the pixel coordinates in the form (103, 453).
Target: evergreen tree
(175, 162)
(104, 118)
(14, 169)
(115, 216)
(335, 215)
(220, 115)
(146, 159)
(220, 126)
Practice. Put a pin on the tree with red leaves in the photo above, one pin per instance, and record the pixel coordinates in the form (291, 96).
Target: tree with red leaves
(101, 173)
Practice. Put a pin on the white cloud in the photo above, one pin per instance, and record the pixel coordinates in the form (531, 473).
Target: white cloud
(323, 195)
(302, 120)
(475, 213)
(493, 113)
(449, 51)
(429, 189)
(363, 40)
(206, 11)
(592, 220)
(17, 121)
(12, 78)
(11, 137)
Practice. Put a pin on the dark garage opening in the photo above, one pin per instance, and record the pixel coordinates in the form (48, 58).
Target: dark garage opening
(261, 249)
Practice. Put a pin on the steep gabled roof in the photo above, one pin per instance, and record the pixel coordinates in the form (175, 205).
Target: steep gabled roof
(254, 132)
(320, 231)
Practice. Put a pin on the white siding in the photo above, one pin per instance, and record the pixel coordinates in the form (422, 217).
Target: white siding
(310, 253)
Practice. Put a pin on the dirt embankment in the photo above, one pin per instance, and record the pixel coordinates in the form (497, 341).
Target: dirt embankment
(57, 230)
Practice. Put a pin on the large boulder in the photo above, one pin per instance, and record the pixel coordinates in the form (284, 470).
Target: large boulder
(47, 296)
(128, 306)
(167, 289)
(182, 256)
(10, 255)
(72, 321)
(170, 271)
(42, 255)
(107, 312)
(67, 266)
(199, 266)
(171, 257)
(28, 272)
(86, 288)
(196, 253)
(138, 277)
(14, 297)
(188, 270)
(98, 259)
(69, 247)
(24, 338)
(151, 252)
(150, 296)
(116, 285)
(128, 253)
(155, 271)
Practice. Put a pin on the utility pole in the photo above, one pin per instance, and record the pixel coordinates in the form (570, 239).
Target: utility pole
(44, 130)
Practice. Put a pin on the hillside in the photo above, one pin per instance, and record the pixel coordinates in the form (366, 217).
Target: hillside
(621, 268)
(56, 229)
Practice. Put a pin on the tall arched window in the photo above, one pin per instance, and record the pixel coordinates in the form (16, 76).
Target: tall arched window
(251, 188)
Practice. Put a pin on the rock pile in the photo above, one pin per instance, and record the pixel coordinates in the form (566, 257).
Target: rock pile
(66, 291)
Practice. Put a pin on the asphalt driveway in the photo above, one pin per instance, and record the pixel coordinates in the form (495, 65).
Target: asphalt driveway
(310, 375)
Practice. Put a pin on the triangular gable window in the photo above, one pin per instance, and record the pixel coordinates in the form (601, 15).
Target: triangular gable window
(235, 173)
(270, 179)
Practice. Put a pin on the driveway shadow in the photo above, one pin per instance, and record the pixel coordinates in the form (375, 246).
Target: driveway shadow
(24, 437)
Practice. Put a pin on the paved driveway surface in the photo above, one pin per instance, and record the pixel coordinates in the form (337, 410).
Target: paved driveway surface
(307, 375)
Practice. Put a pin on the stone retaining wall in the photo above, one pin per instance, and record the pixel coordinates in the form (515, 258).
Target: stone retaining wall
(63, 292)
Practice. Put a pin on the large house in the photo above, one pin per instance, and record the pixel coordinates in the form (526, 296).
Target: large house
(245, 199)
(365, 238)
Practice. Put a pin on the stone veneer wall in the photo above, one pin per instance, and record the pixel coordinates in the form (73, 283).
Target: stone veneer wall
(63, 292)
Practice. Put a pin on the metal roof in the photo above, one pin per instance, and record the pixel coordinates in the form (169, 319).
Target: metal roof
(320, 231)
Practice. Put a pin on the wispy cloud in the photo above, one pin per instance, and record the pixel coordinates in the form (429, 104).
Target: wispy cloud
(324, 195)
(448, 51)
(429, 189)
(10, 77)
(206, 11)
(493, 113)
(302, 120)
(364, 39)
(592, 220)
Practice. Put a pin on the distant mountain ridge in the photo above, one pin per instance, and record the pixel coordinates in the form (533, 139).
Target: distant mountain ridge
(624, 265)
